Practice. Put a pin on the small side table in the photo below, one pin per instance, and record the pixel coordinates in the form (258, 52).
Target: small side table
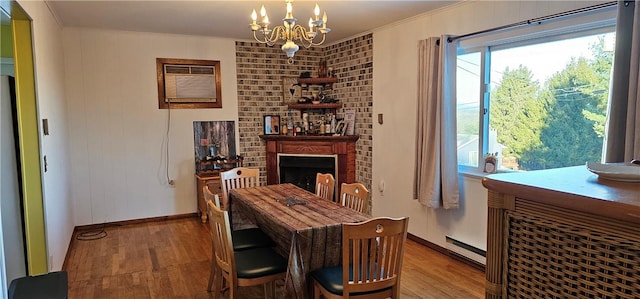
(208, 174)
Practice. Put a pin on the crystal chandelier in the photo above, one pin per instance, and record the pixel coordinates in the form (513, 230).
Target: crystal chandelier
(289, 32)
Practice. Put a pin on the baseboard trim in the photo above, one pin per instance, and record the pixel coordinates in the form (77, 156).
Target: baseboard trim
(119, 223)
(446, 252)
(134, 221)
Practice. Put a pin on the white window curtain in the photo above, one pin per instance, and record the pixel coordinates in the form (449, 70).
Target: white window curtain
(623, 124)
(436, 169)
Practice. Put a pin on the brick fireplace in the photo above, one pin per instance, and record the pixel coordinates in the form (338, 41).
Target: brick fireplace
(343, 148)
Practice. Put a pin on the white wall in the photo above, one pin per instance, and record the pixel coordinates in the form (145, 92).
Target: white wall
(50, 94)
(394, 95)
(117, 131)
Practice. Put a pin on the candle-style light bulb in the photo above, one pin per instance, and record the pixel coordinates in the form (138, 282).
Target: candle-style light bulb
(316, 11)
(254, 17)
(263, 11)
(265, 19)
(324, 20)
(310, 24)
(289, 11)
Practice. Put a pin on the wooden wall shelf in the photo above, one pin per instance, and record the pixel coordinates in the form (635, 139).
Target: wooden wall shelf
(316, 106)
(318, 81)
(327, 106)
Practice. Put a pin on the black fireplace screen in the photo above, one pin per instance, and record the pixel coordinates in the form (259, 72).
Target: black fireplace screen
(301, 170)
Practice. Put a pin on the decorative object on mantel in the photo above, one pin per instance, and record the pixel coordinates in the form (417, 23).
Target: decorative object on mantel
(272, 124)
(341, 128)
(289, 31)
(350, 120)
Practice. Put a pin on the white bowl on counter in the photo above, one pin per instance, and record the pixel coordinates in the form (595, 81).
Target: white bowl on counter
(623, 172)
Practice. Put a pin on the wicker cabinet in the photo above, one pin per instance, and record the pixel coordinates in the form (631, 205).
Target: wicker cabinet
(208, 174)
(562, 233)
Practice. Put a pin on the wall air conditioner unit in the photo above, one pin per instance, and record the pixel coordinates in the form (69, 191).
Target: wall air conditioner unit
(189, 83)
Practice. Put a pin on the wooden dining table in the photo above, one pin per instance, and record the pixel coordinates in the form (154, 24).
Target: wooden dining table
(307, 229)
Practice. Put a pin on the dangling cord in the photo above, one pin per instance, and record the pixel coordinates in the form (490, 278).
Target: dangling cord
(167, 138)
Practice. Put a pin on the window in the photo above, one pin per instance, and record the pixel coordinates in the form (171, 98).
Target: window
(538, 103)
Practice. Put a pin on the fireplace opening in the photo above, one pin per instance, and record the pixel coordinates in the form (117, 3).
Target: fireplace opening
(301, 170)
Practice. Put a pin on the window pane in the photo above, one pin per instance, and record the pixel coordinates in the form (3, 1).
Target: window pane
(548, 102)
(468, 107)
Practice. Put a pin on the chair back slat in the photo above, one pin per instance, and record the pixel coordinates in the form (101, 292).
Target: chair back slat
(374, 249)
(239, 177)
(355, 196)
(325, 185)
(221, 237)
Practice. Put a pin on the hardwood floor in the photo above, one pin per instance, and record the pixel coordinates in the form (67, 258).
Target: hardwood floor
(171, 259)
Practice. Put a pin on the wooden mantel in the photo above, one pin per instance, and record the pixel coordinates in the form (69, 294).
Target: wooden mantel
(342, 146)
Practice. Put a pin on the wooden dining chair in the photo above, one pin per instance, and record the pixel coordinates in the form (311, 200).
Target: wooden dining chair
(239, 177)
(239, 268)
(325, 184)
(372, 254)
(243, 238)
(355, 196)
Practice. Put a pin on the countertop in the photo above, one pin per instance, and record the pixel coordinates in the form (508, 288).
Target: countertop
(574, 188)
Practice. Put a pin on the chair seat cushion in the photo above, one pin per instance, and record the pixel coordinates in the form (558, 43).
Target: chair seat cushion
(257, 262)
(331, 279)
(52, 285)
(250, 238)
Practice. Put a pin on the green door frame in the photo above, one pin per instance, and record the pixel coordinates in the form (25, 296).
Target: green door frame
(29, 142)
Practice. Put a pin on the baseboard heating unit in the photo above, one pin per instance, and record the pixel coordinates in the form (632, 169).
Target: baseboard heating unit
(466, 250)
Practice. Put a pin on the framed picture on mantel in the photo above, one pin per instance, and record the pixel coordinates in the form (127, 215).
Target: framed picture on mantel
(271, 124)
(291, 91)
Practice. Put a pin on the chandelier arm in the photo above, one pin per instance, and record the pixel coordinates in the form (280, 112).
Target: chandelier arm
(262, 41)
(279, 32)
(324, 35)
(310, 41)
(270, 39)
(301, 34)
